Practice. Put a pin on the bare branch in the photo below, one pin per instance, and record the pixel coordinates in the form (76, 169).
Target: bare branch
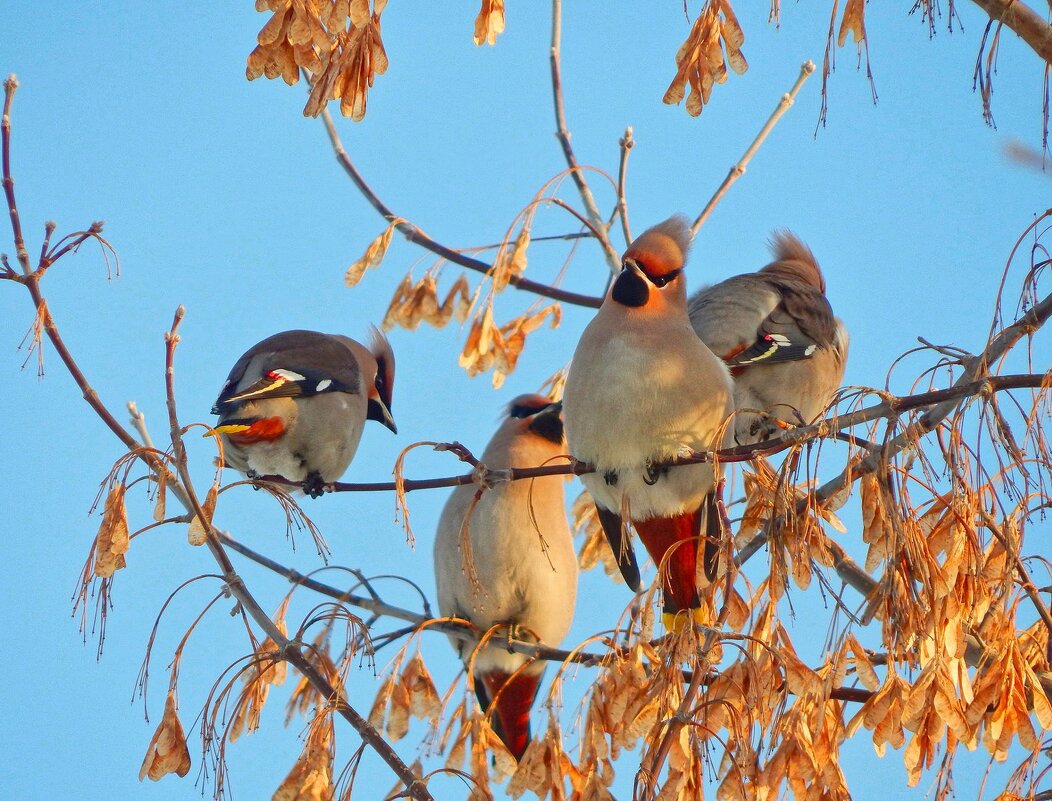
(1022, 19)
(563, 134)
(418, 237)
(627, 143)
(998, 346)
(10, 86)
(738, 170)
(829, 427)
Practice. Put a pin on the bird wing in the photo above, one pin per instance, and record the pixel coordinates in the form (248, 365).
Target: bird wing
(291, 364)
(752, 319)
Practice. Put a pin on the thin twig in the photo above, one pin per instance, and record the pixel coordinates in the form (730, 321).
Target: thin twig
(563, 134)
(418, 237)
(138, 421)
(971, 378)
(626, 143)
(10, 87)
(738, 170)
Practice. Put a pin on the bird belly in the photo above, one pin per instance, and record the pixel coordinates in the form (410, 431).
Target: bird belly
(630, 410)
(327, 432)
(509, 576)
(634, 491)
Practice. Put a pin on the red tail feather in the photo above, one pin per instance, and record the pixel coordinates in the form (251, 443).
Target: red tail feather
(513, 698)
(678, 575)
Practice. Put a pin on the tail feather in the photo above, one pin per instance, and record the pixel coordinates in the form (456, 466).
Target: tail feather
(622, 548)
(512, 695)
(675, 541)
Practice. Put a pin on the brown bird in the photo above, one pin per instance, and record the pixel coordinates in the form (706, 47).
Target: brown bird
(520, 569)
(776, 331)
(294, 405)
(641, 390)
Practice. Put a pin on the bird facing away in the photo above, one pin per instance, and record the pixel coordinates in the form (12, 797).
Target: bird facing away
(294, 405)
(510, 562)
(776, 331)
(642, 388)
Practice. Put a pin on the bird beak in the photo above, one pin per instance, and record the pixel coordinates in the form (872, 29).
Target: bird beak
(379, 412)
(630, 264)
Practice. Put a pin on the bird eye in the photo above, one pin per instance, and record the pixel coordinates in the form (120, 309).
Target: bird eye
(661, 280)
(521, 410)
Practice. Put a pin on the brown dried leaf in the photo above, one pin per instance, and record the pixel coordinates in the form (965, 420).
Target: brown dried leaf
(424, 701)
(854, 21)
(197, 532)
(489, 24)
(373, 256)
(167, 752)
(357, 58)
(112, 540)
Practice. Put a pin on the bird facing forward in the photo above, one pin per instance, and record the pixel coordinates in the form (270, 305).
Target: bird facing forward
(294, 405)
(641, 389)
(507, 558)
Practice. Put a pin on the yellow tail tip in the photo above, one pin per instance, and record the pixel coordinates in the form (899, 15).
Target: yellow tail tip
(678, 622)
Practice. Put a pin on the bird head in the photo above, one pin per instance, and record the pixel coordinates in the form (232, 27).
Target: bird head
(536, 414)
(379, 408)
(651, 275)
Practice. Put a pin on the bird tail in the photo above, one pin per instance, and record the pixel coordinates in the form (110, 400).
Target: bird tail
(676, 542)
(512, 696)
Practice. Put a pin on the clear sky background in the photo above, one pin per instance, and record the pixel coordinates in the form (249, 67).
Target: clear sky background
(219, 195)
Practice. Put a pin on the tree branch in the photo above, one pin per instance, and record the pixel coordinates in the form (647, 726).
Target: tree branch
(829, 427)
(418, 237)
(738, 170)
(1022, 19)
(183, 489)
(563, 134)
(10, 86)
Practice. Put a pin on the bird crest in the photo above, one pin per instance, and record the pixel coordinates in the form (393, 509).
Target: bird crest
(662, 249)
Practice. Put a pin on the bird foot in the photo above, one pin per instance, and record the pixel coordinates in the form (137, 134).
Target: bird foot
(314, 485)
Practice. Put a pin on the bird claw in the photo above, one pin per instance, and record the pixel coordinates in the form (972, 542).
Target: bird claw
(314, 485)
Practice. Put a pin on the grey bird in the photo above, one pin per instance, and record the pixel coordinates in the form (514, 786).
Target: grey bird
(294, 405)
(641, 390)
(776, 332)
(508, 559)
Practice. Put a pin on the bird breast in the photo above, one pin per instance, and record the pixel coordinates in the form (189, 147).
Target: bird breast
(514, 564)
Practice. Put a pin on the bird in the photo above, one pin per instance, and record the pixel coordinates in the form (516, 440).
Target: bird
(507, 558)
(776, 332)
(641, 390)
(294, 405)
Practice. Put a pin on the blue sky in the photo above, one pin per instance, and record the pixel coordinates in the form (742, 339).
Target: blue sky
(220, 196)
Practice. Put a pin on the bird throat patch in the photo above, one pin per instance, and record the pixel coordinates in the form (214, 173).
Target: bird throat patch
(630, 289)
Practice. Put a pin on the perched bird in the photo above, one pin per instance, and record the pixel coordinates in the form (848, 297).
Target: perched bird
(508, 559)
(295, 404)
(641, 389)
(777, 333)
